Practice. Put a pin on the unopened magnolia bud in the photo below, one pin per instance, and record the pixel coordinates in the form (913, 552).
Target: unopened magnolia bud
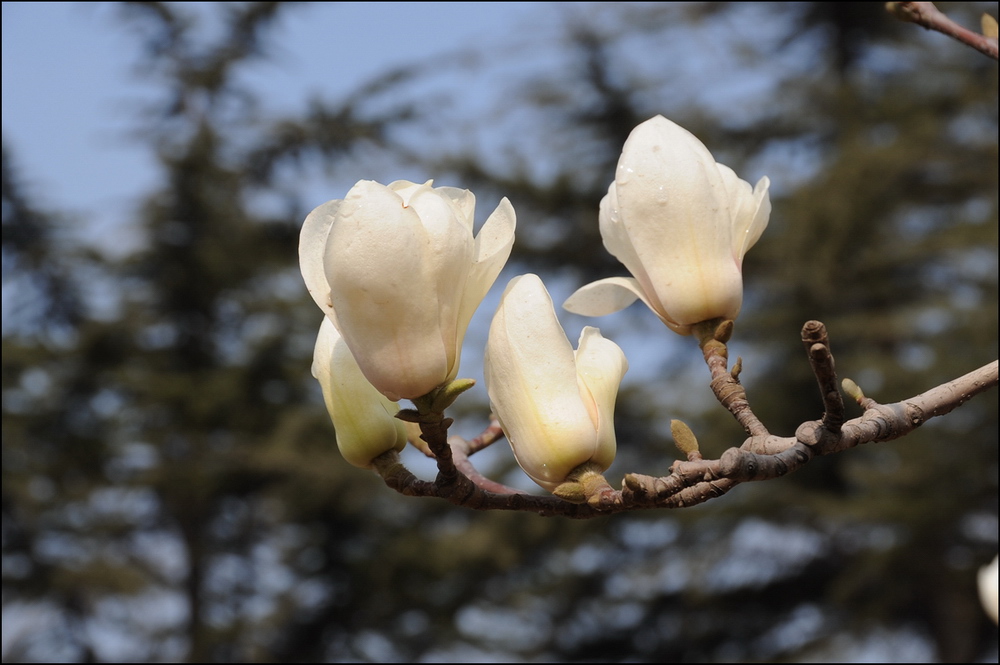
(449, 392)
(555, 405)
(853, 390)
(684, 438)
(990, 27)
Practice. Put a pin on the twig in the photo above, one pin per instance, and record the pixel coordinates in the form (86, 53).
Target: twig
(712, 337)
(817, 344)
(761, 457)
(489, 436)
(930, 17)
(461, 449)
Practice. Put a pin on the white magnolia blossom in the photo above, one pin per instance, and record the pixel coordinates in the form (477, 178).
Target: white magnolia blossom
(681, 223)
(988, 589)
(363, 418)
(396, 268)
(556, 405)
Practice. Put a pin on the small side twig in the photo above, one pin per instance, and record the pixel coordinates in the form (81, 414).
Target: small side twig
(761, 457)
(461, 450)
(817, 344)
(712, 337)
(930, 17)
(488, 437)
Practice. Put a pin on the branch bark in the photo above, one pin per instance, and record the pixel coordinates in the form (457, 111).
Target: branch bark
(762, 456)
(930, 17)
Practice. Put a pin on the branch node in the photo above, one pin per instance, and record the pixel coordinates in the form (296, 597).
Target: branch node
(810, 433)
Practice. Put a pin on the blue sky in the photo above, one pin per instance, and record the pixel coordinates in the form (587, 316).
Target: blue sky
(71, 92)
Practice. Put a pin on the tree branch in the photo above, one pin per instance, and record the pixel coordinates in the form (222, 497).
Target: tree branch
(930, 17)
(817, 344)
(762, 456)
(712, 337)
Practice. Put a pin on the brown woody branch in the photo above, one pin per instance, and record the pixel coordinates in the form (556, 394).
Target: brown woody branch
(817, 344)
(762, 456)
(712, 337)
(930, 17)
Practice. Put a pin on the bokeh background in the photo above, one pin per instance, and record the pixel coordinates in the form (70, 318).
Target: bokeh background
(171, 486)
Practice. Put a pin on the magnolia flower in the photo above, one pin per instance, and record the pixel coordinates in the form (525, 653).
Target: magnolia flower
(987, 580)
(681, 223)
(556, 405)
(364, 419)
(397, 270)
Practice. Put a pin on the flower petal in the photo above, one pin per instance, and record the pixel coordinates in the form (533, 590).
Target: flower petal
(448, 258)
(492, 249)
(605, 296)
(363, 418)
(617, 240)
(464, 201)
(312, 248)
(600, 367)
(405, 188)
(757, 221)
(750, 209)
(987, 582)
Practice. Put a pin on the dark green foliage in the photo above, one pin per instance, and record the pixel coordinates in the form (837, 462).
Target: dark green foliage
(170, 474)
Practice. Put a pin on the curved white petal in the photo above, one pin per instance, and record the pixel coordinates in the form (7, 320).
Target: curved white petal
(987, 581)
(464, 201)
(612, 294)
(600, 367)
(447, 262)
(738, 194)
(617, 240)
(363, 418)
(750, 209)
(405, 188)
(312, 248)
(605, 296)
(531, 379)
(492, 249)
(494, 241)
(757, 221)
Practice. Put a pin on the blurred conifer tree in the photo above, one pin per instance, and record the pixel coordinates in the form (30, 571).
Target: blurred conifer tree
(171, 486)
